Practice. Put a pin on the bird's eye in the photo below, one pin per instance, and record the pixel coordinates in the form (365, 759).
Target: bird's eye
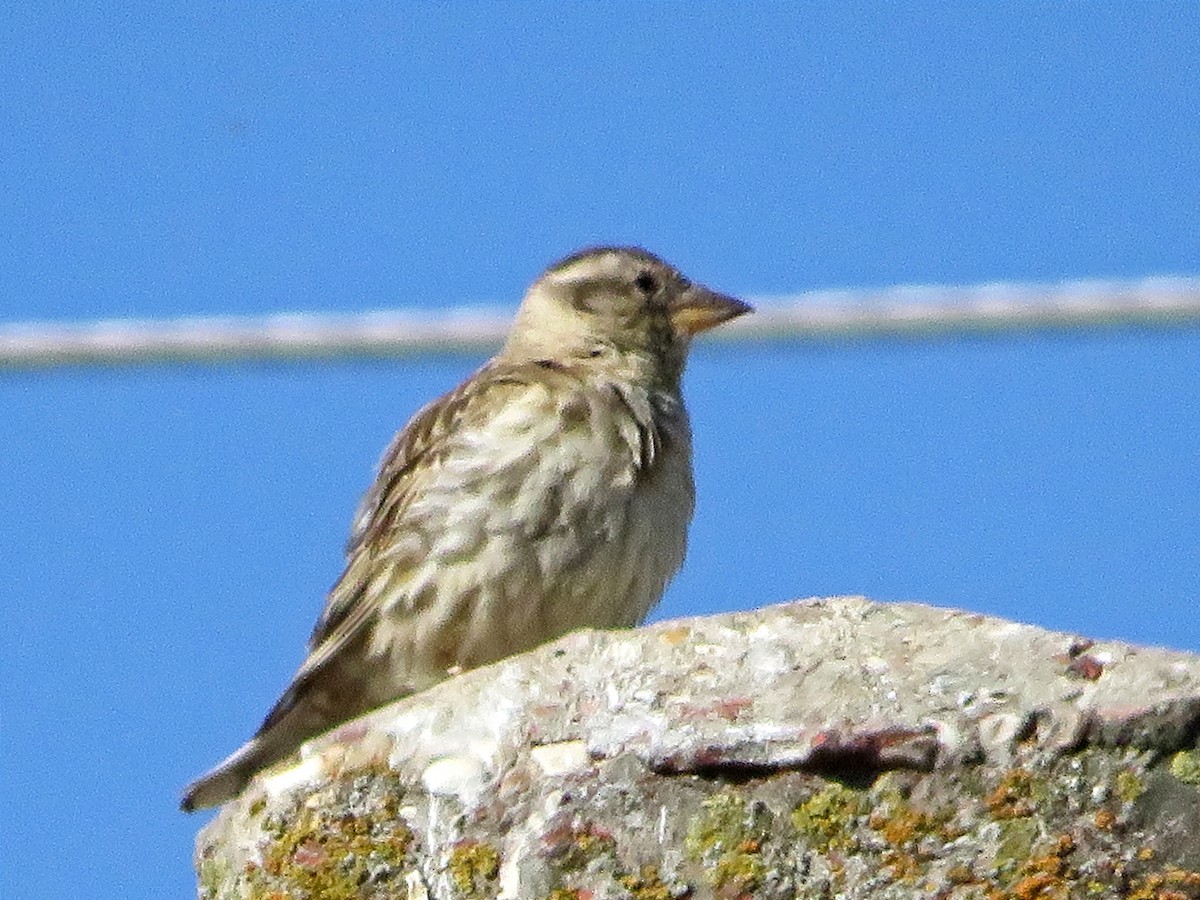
(647, 284)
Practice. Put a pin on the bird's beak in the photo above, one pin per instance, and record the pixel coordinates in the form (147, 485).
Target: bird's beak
(698, 309)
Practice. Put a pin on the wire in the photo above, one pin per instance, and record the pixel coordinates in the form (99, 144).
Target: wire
(816, 316)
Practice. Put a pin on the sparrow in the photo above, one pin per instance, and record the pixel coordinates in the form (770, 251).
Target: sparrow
(550, 491)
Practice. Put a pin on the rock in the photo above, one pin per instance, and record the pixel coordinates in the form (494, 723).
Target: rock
(823, 748)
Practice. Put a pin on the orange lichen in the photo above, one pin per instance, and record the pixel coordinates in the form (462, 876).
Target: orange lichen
(1171, 884)
(1011, 797)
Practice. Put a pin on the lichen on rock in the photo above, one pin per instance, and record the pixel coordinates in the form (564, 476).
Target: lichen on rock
(815, 749)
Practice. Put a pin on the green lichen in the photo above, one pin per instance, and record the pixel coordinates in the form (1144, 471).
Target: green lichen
(1185, 765)
(1129, 786)
(212, 875)
(1017, 837)
(473, 868)
(742, 872)
(973, 834)
(578, 848)
(646, 885)
(826, 819)
(317, 853)
(726, 838)
(333, 858)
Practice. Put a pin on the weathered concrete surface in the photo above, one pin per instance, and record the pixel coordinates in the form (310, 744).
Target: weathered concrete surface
(824, 748)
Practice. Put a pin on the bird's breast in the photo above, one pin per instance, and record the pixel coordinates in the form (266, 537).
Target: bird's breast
(551, 515)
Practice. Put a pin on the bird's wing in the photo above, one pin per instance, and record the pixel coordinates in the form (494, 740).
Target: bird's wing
(351, 603)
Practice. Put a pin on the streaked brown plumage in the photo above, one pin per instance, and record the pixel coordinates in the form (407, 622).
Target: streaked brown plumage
(550, 491)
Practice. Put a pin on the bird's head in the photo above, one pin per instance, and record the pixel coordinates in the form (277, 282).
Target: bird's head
(619, 306)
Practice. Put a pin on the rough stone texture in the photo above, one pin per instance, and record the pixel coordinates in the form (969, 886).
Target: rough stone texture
(827, 748)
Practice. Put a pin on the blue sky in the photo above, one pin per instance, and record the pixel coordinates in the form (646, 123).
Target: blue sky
(168, 533)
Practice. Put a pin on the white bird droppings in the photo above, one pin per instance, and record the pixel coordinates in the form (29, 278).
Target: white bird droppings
(462, 777)
(562, 758)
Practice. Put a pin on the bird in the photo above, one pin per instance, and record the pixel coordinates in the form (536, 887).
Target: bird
(550, 491)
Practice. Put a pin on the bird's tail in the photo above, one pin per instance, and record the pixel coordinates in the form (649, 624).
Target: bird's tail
(227, 779)
(299, 714)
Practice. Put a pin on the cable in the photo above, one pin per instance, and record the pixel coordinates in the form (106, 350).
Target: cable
(816, 316)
